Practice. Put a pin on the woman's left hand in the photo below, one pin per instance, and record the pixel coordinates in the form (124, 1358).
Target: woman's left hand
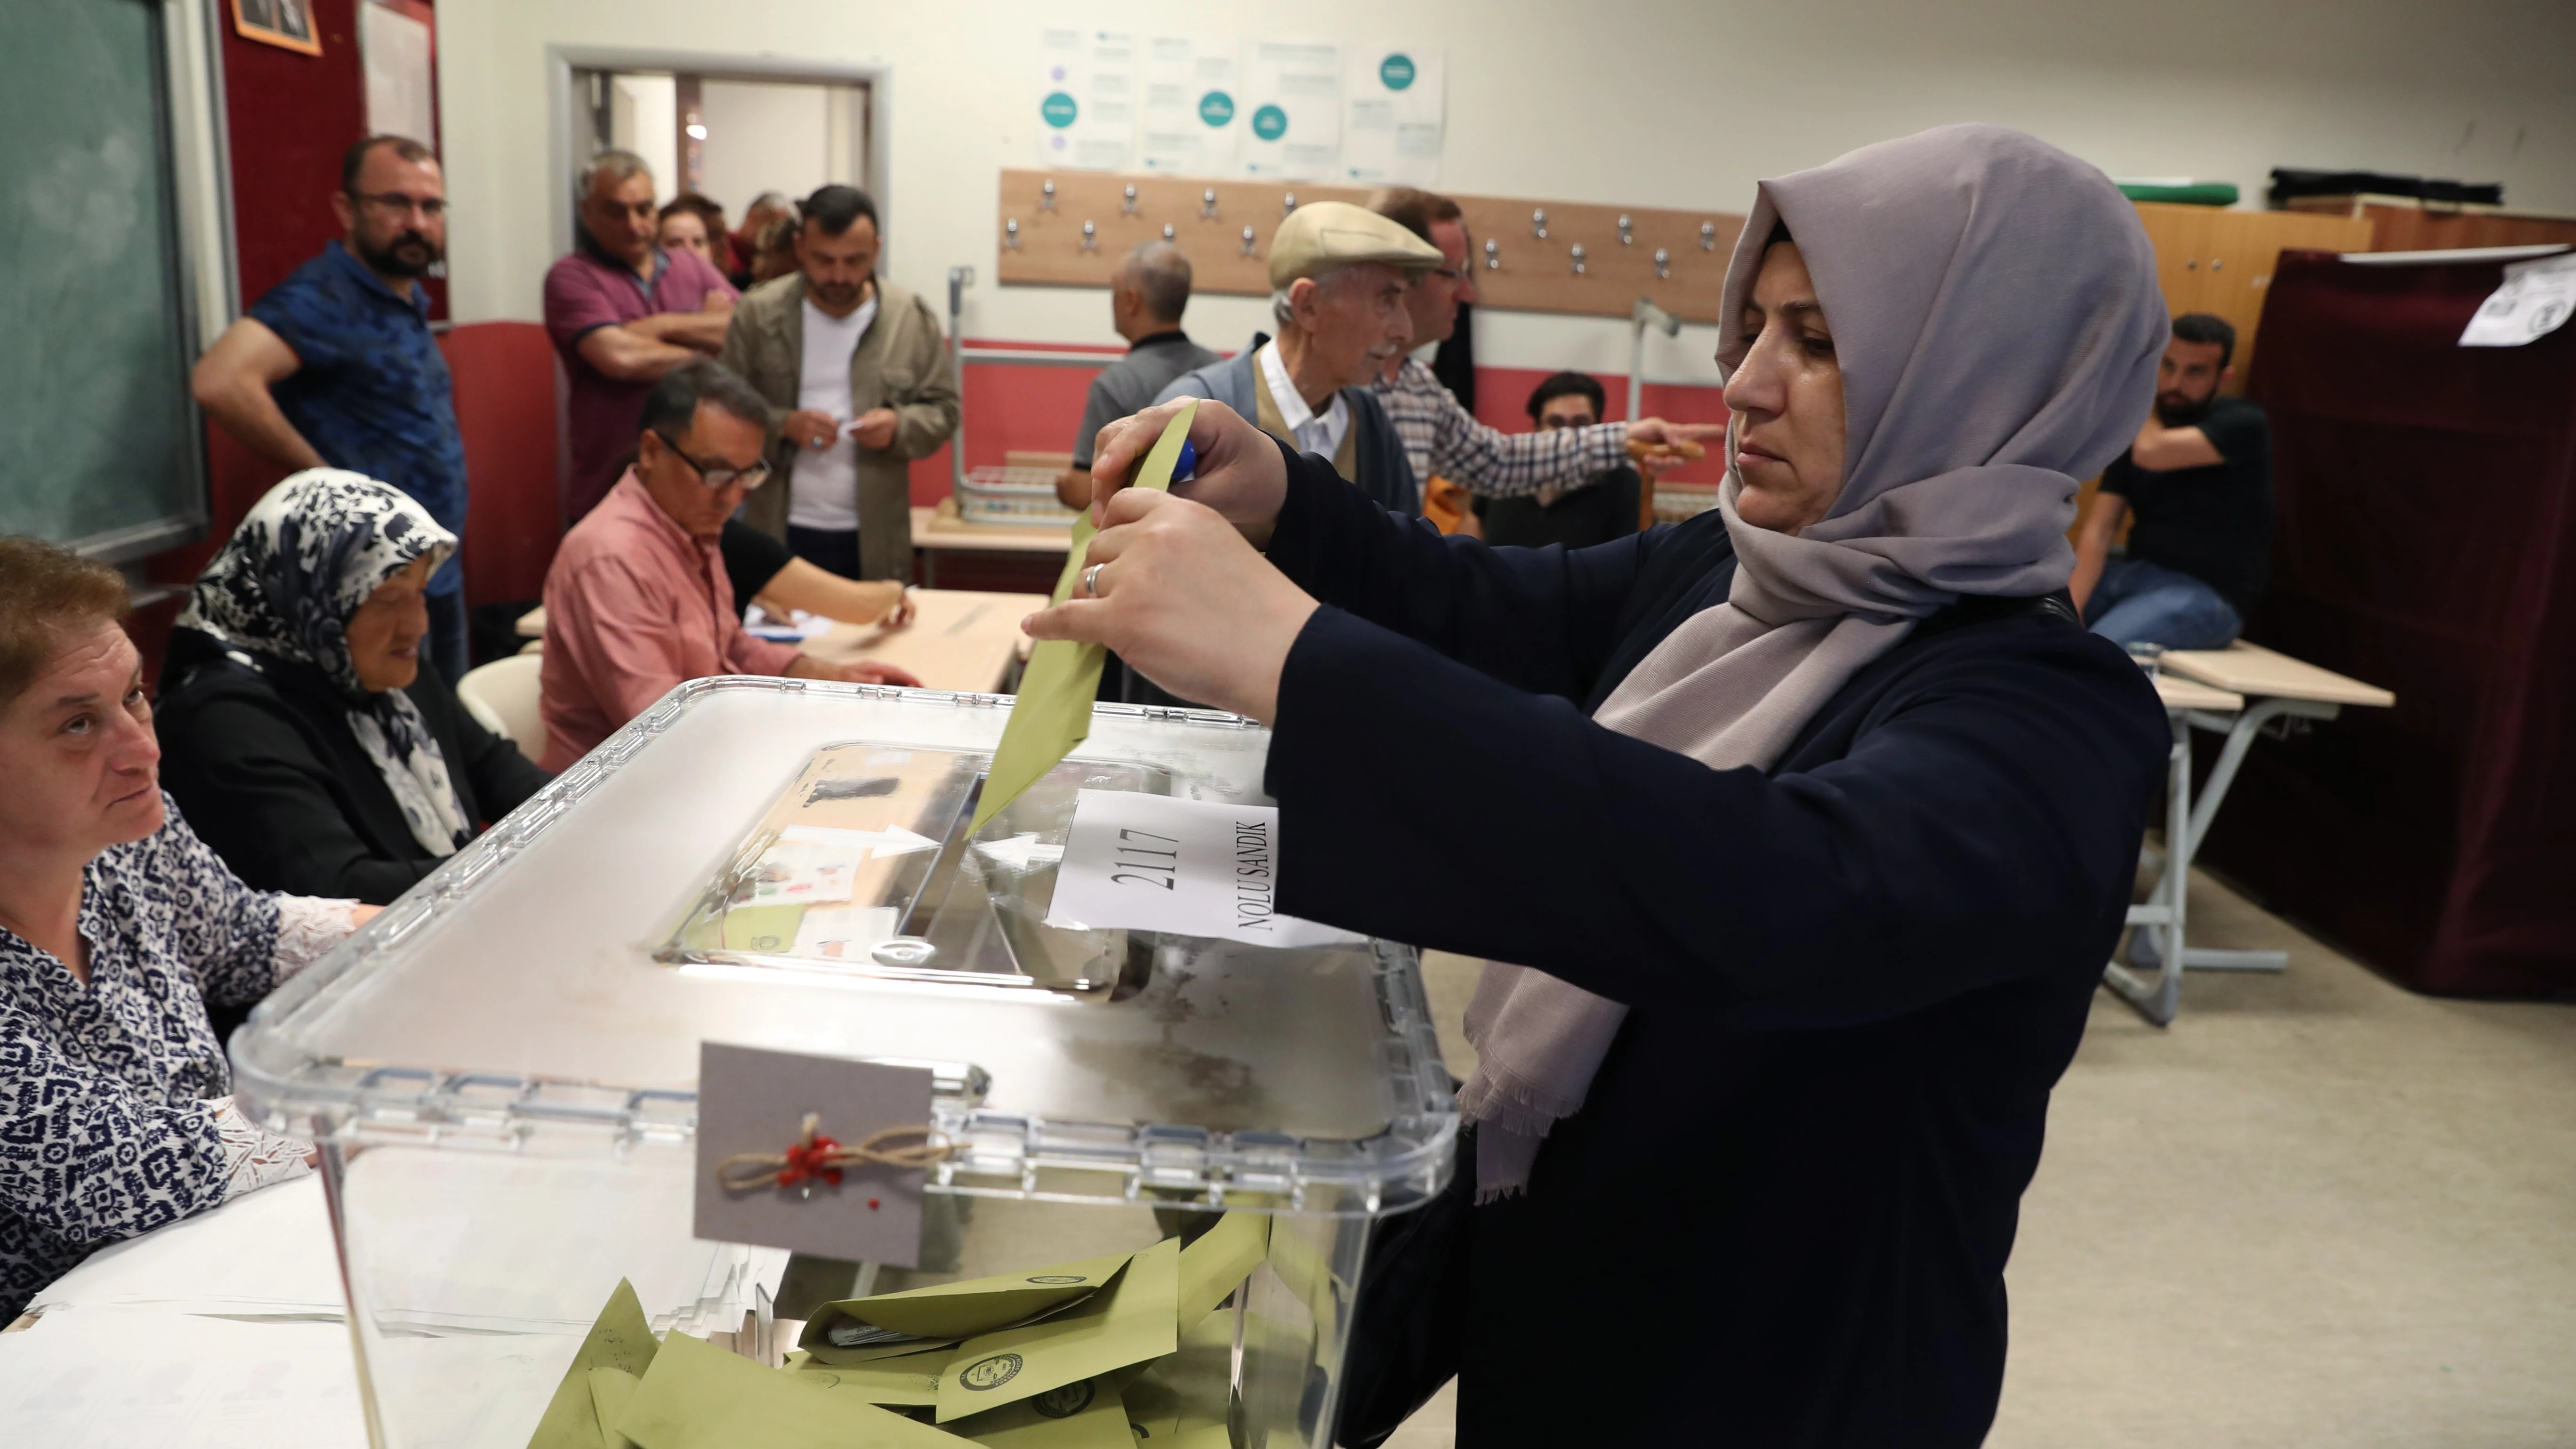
(1183, 598)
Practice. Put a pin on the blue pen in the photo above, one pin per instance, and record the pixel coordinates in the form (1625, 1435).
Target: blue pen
(1189, 461)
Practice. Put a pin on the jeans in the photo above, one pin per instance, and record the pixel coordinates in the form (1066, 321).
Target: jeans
(445, 645)
(830, 549)
(2138, 602)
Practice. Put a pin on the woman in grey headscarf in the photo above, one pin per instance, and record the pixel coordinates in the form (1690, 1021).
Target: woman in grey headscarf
(304, 732)
(1809, 823)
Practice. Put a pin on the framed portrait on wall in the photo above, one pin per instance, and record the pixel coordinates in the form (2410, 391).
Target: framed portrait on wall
(284, 23)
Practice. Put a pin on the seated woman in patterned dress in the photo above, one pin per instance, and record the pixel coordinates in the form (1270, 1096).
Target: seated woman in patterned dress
(309, 736)
(117, 925)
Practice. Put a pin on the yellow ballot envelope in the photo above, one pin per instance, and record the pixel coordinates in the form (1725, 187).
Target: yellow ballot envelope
(954, 1310)
(1215, 1265)
(1084, 1414)
(911, 1381)
(697, 1396)
(609, 1391)
(1052, 713)
(1132, 1320)
(620, 1340)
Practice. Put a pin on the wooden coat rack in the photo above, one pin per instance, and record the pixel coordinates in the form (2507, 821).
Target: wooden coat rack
(1071, 228)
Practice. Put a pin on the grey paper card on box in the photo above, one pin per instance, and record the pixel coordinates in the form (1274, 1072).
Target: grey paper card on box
(755, 1101)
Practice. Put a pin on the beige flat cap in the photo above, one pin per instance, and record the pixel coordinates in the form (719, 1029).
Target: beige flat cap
(1322, 235)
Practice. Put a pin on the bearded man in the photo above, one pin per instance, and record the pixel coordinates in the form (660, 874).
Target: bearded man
(2199, 478)
(336, 368)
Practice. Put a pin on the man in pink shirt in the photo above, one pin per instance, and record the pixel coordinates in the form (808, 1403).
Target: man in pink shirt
(623, 312)
(637, 600)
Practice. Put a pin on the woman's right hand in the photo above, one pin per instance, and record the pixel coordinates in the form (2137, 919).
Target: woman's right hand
(1240, 473)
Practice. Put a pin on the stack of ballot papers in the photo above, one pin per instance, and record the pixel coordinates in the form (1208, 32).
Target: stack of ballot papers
(1105, 1353)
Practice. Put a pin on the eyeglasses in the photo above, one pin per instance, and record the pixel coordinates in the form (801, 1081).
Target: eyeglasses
(717, 476)
(398, 203)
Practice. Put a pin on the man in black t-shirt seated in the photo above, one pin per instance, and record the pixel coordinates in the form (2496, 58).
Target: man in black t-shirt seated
(2200, 479)
(1601, 508)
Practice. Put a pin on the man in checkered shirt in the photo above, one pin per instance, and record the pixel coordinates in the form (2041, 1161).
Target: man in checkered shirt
(1442, 438)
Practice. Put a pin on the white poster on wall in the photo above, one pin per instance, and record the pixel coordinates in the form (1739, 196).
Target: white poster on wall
(1292, 110)
(395, 49)
(1391, 114)
(1191, 107)
(1086, 99)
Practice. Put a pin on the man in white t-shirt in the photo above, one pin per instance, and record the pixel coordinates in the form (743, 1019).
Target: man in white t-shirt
(859, 384)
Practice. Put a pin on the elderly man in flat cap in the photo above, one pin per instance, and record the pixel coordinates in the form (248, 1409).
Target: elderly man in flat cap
(1339, 275)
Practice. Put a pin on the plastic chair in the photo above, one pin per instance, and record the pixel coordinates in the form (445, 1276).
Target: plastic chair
(502, 695)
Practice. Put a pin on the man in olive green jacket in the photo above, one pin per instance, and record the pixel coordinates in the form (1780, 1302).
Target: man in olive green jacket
(859, 384)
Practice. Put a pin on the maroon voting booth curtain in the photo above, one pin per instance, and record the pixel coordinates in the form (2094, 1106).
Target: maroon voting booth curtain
(2426, 542)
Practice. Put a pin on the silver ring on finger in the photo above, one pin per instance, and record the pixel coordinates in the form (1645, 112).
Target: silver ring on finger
(1091, 581)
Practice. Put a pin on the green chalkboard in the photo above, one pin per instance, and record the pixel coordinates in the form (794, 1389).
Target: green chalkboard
(99, 442)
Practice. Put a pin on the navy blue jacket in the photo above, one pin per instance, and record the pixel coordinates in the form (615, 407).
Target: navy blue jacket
(1782, 1215)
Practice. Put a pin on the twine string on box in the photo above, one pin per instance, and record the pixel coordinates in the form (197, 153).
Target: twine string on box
(816, 1158)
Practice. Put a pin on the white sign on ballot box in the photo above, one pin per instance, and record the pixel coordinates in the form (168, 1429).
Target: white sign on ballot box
(1190, 867)
(2535, 300)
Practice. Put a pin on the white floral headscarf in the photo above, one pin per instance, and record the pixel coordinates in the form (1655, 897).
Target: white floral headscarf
(311, 551)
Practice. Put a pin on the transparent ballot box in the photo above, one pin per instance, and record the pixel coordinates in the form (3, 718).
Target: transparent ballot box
(502, 1071)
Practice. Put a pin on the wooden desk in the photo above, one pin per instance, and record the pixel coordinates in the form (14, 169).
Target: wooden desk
(957, 640)
(2251, 669)
(2180, 693)
(2235, 693)
(937, 530)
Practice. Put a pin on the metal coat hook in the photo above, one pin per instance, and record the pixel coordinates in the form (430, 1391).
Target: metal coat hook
(1046, 197)
(1207, 202)
(1493, 255)
(1168, 233)
(1288, 203)
(1577, 254)
(1708, 236)
(1090, 238)
(1627, 232)
(1011, 234)
(1538, 223)
(1247, 241)
(1127, 206)
(1663, 262)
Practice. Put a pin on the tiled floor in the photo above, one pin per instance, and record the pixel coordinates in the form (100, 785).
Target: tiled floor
(2319, 1209)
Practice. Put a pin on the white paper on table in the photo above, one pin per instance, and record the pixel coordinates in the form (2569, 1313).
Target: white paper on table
(1292, 110)
(1086, 99)
(2535, 300)
(1190, 867)
(1393, 100)
(268, 1251)
(795, 628)
(1189, 110)
(118, 1377)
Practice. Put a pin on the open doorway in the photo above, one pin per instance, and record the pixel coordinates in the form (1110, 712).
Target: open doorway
(729, 137)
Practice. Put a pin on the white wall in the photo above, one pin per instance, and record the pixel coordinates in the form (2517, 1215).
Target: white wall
(763, 137)
(1670, 103)
(644, 117)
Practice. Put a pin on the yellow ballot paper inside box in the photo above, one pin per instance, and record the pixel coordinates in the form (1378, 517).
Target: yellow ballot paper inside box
(620, 1340)
(1130, 1321)
(1190, 1390)
(610, 1389)
(1084, 1414)
(1217, 1263)
(953, 1310)
(698, 1396)
(911, 1382)
(1052, 713)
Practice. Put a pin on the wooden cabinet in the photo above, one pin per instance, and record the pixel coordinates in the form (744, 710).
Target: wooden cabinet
(2221, 262)
(2401, 224)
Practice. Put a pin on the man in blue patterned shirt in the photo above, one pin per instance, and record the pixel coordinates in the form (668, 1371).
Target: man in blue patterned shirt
(335, 367)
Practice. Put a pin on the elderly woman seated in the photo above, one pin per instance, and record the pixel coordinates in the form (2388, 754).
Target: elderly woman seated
(307, 736)
(117, 926)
